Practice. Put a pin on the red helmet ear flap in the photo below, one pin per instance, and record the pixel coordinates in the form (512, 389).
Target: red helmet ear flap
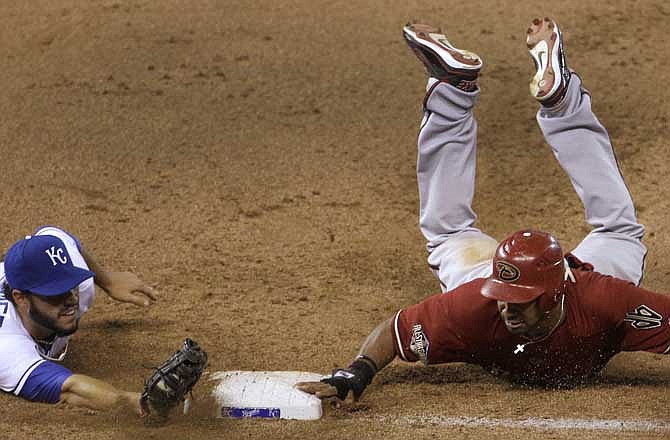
(548, 300)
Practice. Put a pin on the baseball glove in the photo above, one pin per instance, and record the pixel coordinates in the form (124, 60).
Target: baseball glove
(169, 384)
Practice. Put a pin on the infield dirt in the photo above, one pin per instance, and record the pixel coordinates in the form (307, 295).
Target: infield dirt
(255, 161)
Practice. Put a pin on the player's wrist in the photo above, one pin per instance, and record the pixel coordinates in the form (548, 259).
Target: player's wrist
(369, 361)
(354, 379)
(364, 372)
(139, 405)
(142, 406)
(103, 279)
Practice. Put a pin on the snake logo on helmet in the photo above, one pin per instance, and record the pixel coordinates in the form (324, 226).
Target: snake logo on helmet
(507, 272)
(527, 265)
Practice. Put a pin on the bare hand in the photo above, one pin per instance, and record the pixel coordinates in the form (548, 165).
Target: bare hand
(319, 389)
(127, 287)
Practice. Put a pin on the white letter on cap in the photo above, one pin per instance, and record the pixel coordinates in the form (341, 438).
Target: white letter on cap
(56, 255)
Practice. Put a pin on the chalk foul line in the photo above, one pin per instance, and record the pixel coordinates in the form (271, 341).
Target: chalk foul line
(537, 423)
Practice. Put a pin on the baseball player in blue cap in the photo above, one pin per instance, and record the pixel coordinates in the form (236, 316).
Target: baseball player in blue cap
(47, 282)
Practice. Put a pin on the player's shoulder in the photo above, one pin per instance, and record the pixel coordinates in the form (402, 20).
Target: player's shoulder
(14, 340)
(598, 302)
(10, 324)
(472, 291)
(594, 285)
(466, 295)
(597, 297)
(475, 316)
(463, 313)
(466, 302)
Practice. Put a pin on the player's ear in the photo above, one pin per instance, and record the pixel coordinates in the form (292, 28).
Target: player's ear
(19, 297)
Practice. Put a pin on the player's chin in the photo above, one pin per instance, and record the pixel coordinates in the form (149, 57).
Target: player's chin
(67, 325)
(516, 327)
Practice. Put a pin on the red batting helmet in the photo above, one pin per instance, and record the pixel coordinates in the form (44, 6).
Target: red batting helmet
(527, 264)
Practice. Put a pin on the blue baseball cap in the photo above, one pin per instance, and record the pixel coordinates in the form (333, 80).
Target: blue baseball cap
(41, 264)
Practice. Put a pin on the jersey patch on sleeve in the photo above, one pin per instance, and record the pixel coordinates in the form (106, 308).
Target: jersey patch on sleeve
(644, 318)
(419, 343)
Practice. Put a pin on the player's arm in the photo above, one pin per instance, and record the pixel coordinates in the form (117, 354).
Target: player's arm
(121, 286)
(162, 392)
(641, 317)
(377, 351)
(51, 382)
(407, 336)
(86, 391)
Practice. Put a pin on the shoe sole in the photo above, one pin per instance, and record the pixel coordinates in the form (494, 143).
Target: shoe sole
(546, 47)
(438, 55)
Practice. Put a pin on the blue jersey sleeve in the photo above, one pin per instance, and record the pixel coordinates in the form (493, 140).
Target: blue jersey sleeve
(45, 382)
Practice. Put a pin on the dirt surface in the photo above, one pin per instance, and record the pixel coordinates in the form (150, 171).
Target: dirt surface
(255, 161)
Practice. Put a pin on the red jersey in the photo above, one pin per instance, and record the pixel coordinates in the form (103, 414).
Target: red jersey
(603, 316)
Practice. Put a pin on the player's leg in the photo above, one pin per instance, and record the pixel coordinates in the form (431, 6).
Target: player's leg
(447, 142)
(583, 148)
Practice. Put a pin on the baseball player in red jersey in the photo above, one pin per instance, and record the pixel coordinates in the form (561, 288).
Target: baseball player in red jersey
(519, 306)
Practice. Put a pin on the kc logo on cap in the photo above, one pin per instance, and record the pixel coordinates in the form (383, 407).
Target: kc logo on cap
(41, 264)
(56, 255)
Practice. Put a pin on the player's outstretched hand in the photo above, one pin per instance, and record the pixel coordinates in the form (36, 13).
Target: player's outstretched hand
(319, 389)
(127, 287)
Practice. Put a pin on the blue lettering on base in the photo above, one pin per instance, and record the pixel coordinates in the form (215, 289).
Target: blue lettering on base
(264, 413)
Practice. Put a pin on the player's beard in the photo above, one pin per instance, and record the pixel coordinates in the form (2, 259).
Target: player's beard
(50, 322)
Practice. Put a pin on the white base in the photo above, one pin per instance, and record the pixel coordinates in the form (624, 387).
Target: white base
(265, 394)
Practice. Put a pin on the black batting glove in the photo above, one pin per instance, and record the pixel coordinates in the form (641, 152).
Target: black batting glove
(355, 378)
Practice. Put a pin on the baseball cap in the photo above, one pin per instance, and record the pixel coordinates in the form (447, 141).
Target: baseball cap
(526, 265)
(41, 264)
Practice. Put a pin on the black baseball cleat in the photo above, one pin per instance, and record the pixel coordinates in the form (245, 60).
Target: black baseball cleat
(443, 61)
(552, 75)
